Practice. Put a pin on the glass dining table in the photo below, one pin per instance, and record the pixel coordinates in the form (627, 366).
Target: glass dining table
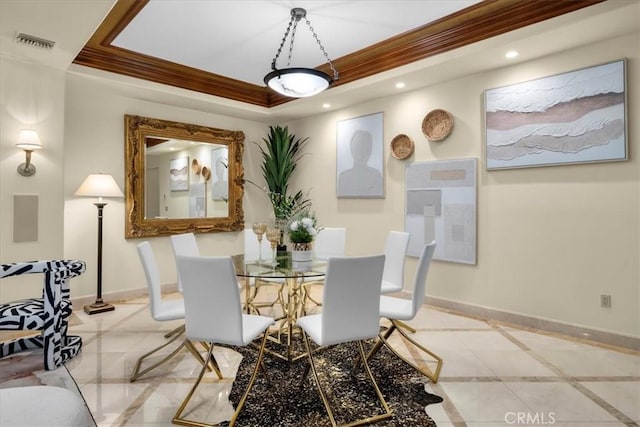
(292, 275)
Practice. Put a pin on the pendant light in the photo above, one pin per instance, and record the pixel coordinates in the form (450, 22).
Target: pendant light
(298, 82)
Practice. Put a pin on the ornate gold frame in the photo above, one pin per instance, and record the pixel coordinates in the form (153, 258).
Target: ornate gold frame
(136, 225)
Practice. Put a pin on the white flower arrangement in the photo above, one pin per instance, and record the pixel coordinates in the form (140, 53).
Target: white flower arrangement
(303, 228)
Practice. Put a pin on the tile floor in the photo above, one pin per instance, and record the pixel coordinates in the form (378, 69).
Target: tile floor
(493, 374)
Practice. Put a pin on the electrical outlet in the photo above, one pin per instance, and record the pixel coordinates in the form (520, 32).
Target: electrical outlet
(605, 301)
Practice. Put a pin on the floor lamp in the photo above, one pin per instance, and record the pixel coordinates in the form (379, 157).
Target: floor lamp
(99, 185)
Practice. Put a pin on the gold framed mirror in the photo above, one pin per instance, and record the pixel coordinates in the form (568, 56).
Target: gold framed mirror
(181, 178)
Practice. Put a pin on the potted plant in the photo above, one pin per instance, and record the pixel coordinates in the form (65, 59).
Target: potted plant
(279, 160)
(280, 155)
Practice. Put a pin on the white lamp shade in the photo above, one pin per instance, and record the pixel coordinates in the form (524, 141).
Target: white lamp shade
(99, 185)
(298, 82)
(29, 140)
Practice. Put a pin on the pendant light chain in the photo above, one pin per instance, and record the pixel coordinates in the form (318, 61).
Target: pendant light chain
(293, 36)
(295, 18)
(298, 82)
(284, 39)
(326, 55)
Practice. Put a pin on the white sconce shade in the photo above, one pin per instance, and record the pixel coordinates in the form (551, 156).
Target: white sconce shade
(99, 185)
(28, 141)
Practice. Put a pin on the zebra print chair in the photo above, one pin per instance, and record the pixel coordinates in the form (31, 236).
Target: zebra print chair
(48, 314)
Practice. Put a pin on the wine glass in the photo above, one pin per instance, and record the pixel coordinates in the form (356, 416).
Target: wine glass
(259, 228)
(273, 236)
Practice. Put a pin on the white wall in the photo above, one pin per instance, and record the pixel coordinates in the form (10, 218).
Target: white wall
(31, 97)
(550, 240)
(94, 142)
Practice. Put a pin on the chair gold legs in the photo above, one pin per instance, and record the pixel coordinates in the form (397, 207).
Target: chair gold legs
(174, 335)
(387, 411)
(400, 326)
(185, 402)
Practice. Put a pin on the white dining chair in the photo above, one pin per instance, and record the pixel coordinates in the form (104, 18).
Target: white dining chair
(252, 251)
(184, 244)
(350, 312)
(330, 242)
(397, 310)
(395, 251)
(214, 315)
(162, 310)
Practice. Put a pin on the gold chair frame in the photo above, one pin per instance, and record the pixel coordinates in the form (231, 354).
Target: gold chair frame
(210, 359)
(174, 335)
(397, 325)
(388, 413)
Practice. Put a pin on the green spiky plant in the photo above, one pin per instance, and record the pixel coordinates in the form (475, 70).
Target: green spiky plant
(279, 159)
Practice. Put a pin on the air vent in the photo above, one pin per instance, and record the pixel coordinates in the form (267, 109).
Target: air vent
(34, 41)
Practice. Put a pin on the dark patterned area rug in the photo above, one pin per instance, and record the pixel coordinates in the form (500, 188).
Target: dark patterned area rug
(283, 402)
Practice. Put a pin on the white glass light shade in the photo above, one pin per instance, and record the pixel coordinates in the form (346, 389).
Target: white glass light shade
(99, 185)
(298, 82)
(29, 140)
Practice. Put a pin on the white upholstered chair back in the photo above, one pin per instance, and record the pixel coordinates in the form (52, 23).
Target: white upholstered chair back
(212, 301)
(351, 299)
(330, 242)
(419, 286)
(184, 244)
(395, 251)
(151, 273)
(251, 247)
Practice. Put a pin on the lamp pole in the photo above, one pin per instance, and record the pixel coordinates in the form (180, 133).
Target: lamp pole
(99, 306)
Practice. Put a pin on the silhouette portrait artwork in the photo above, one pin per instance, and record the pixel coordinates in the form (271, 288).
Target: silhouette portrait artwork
(360, 162)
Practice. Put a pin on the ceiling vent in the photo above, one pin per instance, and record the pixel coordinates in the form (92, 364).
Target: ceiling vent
(34, 41)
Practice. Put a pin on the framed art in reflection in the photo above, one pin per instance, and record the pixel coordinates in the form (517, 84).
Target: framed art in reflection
(574, 117)
(179, 174)
(359, 162)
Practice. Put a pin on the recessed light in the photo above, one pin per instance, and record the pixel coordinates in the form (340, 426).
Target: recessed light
(511, 54)
(400, 85)
(326, 105)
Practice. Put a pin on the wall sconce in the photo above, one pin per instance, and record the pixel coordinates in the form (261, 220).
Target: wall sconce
(29, 142)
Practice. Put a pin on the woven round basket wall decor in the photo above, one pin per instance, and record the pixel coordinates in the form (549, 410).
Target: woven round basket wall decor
(437, 125)
(401, 147)
(206, 173)
(195, 167)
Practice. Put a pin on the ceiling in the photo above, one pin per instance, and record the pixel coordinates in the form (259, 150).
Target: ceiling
(212, 55)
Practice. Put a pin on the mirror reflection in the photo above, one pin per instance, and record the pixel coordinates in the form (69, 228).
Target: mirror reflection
(181, 177)
(185, 179)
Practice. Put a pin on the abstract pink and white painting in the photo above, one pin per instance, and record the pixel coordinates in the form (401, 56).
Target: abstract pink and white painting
(574, 117)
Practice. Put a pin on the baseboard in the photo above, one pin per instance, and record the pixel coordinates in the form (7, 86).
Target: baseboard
(554, 326)
(116, 297)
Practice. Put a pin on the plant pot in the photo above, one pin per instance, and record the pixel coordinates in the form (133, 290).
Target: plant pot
(301, 252)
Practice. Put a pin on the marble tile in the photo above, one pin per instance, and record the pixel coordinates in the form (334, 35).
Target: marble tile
(483, 340)
(623, 395)
(560, 399)
(513, 363)
(209, 404)
(598, 362)
(487, 402)
(108, 401)
(490, 371)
